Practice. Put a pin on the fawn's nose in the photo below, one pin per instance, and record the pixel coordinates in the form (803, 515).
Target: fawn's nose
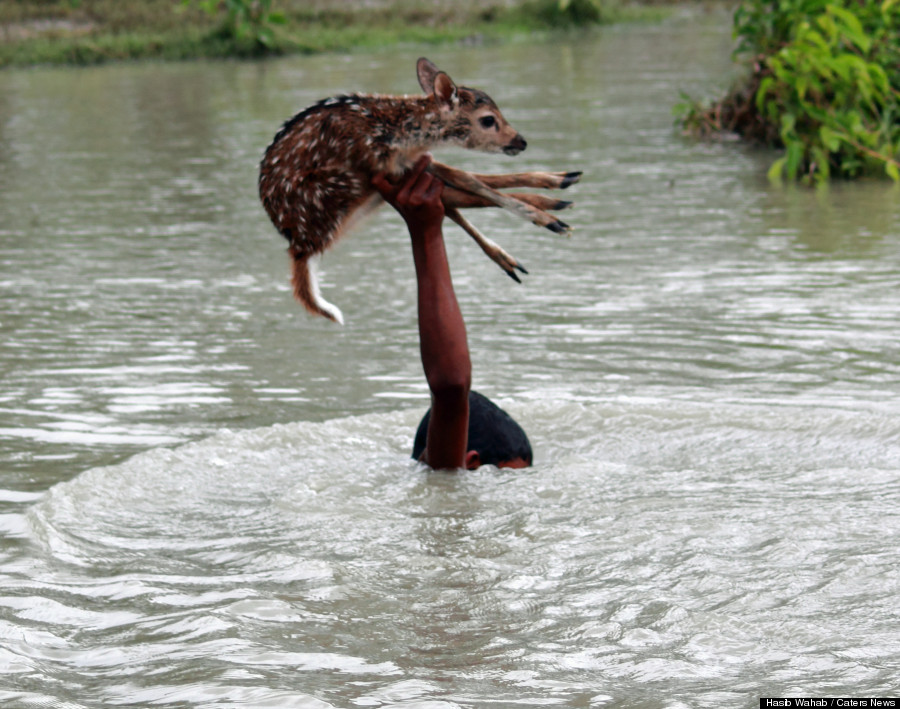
(516, 145)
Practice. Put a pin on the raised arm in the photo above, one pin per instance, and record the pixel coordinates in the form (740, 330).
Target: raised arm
(442, 332)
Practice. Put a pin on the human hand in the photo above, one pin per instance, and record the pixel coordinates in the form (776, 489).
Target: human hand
(416, 196)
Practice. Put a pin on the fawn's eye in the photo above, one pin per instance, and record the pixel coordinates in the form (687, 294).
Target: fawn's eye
(487, 121)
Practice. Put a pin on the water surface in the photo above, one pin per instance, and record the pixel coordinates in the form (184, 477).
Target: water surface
(207, 498)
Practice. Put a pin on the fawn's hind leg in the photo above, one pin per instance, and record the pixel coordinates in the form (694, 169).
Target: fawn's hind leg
(467, 182)
(503, 259)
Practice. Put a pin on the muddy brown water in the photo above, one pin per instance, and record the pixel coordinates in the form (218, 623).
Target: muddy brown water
(207, 498)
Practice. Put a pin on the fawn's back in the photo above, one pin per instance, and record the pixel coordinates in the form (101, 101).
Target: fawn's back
(318, 169)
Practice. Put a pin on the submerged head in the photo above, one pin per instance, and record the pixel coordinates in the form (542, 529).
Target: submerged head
(471, 116)
(494, 436)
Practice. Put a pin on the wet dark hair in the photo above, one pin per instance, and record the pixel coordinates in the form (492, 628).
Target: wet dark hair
(492, 433)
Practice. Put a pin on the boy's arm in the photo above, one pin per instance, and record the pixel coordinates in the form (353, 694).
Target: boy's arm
(442, 331)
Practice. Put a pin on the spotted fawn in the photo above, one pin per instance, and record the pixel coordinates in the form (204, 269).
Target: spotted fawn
(315, 177)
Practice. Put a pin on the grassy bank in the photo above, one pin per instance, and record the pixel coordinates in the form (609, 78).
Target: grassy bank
(96, 31)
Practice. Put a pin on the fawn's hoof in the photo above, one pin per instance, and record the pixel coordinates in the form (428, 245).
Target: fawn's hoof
(562, 204)
(570, 179)
(512, 274)
(559, 226)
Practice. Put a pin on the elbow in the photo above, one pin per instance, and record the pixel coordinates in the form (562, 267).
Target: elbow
(452, 386)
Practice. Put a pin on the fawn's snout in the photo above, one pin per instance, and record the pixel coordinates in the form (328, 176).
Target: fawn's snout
(516, 145)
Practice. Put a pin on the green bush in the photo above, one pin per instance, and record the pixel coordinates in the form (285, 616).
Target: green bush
(244, 20)
(824, 85)
(564, 13)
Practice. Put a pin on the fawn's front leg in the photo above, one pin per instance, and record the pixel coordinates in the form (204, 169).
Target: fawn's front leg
(467, 182)
(454, 197)
(538, 180)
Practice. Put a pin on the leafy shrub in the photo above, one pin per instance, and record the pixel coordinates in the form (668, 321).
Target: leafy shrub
(824, 85)
(244, 20)
(563, 13)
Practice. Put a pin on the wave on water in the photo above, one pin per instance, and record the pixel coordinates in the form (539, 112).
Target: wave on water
(727, 550)
(359, 465)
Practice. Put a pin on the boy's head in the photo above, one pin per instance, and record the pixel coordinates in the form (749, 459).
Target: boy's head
(494, 437)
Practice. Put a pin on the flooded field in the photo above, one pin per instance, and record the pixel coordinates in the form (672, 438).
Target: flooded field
(207, 495)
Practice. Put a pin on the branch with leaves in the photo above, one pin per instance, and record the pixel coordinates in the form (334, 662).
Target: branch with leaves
(824, 85)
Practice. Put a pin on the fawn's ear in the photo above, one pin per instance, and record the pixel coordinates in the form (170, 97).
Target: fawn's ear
(445, 91)
(426, 71)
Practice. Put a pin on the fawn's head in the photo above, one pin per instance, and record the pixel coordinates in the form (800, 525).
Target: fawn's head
(471, 118)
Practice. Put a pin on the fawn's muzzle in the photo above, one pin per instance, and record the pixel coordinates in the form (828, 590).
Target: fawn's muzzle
(516, 145)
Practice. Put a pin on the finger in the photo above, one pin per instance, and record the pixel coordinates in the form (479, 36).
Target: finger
(435, 190)
(405, 189)
(384, 186)
(430, 193)
(425, 158)
(420, 166)
(422, 186)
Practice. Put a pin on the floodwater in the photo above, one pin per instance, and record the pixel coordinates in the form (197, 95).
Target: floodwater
(207, 499)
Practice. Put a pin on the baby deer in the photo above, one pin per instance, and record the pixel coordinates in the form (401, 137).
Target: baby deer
(315, 177)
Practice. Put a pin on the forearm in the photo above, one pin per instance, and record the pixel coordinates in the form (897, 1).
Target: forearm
(442, 331)
(445, 353)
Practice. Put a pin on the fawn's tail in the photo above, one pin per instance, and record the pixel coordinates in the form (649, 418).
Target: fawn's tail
(306, 287)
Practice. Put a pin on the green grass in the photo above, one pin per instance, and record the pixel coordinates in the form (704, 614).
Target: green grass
(86, 32)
